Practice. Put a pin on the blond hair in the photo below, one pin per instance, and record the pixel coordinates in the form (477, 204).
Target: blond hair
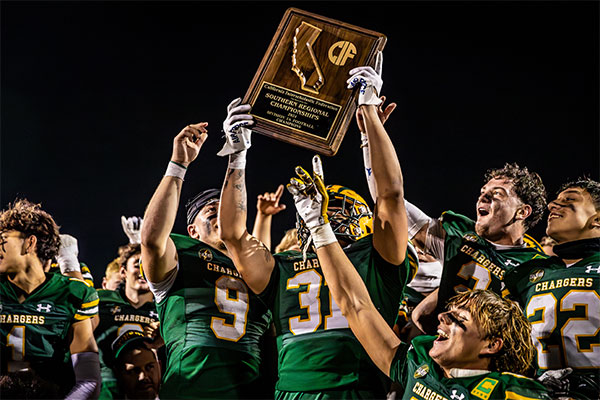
(112, 268)
(500, 318)
(289, 241)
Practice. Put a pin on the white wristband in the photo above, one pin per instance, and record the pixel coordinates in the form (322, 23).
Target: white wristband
(237, 160)
(322, 235)
(176, 170)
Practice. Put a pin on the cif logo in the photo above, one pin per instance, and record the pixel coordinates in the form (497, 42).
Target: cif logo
(341, 51)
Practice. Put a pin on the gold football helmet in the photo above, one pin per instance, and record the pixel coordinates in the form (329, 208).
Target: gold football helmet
(349, 215)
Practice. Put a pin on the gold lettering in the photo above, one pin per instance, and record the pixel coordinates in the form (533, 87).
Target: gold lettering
(558, 284)
(28, 319)
(42, 319)
(545, 285)
(551, 285)
(573, 282)
(589, 282)
(580, 282)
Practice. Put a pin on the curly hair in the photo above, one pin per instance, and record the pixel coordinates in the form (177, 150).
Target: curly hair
(529, 188)
(500, 318)
(29, 218)
(589, 185)
(129, 251)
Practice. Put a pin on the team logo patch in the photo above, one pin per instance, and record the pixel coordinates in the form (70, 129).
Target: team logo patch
(41, 307)
(115, 310)
(471, 237)
(485, 388)
(205, 254)
(421, 371)
(536, 275)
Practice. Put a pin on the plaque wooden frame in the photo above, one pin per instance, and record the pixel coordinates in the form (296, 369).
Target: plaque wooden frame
(298, 94)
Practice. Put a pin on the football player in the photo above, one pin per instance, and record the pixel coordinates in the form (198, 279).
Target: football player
(129, 307)
(561, 295)
(44, 317)
(482, 343)
(210, 321)
(318, 355)
(477, 254)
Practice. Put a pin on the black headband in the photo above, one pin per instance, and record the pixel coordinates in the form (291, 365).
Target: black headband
(195, 204)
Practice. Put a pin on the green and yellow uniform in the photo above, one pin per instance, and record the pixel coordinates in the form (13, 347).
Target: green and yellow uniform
(117, 315)
(34, 333)
(471, 262)
(318, 354)
(420, 378)
(85, 272)
(211, 324)
(563, 305)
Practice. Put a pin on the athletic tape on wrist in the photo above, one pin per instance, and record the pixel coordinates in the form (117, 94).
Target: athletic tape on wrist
(322, 235)
(176, 170)
(238, 160)
(68, 264)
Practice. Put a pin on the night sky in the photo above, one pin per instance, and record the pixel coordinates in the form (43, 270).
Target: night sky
(92, 94)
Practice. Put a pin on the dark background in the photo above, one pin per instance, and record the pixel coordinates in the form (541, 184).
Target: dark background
(94, 92)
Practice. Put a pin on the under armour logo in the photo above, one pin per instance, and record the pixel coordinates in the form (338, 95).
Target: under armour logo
(511, 263)
(44, 307)
(591, 268)
(153, 314)
(455, 395)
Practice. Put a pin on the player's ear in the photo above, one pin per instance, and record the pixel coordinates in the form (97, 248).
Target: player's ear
(595, 224)
(193, 232)
(493, 346)
(123, 271)
(30, 245)
(523, 212)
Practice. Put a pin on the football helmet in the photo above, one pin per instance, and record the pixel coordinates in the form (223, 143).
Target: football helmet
(349, 215)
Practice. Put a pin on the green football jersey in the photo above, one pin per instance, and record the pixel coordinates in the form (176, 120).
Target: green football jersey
(421, 378)
(117, 315)
(563, 305)
(211, 324)
(317, 350)
(471, 262)
(34, 333)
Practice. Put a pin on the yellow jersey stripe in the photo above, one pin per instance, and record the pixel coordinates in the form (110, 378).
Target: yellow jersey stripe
(515, 396)
(91, 303)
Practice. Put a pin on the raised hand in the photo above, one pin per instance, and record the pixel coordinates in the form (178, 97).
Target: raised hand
(369, 80)
(132, 227)
(237, 136)
(188, 142)
(268, 203)
(310, 197)
(382, 112)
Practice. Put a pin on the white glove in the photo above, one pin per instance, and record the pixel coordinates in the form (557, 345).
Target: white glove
(67, 254)
(237, 137)
(556, 381)
(369, 80)
(132, 227)
(311, 200)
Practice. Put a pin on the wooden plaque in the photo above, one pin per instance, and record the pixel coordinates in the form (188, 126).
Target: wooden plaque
(299, 93)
